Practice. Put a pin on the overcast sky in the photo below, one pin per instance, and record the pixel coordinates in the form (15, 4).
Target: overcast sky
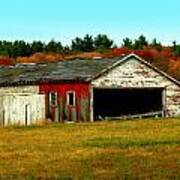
(65, 19)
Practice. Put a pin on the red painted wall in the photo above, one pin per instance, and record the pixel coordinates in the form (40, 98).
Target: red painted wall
(81, 92)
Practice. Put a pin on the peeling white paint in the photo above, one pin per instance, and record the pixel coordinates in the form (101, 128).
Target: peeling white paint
(21, 105)
(19, 89)
(135, 74)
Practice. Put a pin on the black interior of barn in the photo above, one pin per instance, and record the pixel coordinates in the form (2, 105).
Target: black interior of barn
(123, 102)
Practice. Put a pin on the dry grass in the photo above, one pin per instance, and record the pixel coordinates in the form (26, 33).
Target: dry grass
(142, 149)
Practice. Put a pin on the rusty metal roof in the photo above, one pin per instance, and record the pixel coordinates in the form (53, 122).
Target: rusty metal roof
(79, 70)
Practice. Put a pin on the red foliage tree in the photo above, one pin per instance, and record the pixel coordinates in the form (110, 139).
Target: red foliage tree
(6, 61)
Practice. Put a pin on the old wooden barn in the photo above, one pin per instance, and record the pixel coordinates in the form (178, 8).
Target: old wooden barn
(86, 90)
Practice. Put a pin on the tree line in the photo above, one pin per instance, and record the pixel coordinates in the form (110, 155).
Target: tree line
(24, 49)
(86, 44)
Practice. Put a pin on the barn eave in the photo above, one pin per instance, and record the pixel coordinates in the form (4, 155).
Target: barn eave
(125, 59)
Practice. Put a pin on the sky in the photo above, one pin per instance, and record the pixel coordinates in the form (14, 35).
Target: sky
(63, 20)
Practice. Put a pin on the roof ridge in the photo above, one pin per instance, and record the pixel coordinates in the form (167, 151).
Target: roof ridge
(125, 58)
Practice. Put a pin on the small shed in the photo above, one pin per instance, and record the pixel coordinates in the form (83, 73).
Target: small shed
(21, 105)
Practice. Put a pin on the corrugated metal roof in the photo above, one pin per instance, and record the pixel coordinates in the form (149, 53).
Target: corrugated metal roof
(62, 71)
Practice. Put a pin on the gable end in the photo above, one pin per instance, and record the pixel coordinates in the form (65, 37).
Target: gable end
(127, 58)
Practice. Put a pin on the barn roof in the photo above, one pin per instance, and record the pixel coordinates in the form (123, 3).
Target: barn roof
(79, 70)
(63, 71)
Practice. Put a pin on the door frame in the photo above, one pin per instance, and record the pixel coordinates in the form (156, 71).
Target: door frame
(164, 90)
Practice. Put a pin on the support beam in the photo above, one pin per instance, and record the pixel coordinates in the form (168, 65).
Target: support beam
(91, 104)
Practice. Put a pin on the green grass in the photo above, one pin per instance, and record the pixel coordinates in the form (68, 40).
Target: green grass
(139, 149)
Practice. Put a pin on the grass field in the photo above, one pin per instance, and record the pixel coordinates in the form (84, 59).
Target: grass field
(139, 149)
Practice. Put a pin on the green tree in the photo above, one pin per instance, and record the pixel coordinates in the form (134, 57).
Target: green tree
(156, 45)
(36, 47)
(174, 45)
(6, 48)
(77, 44)
(88, 43)
(83, 45)
(128, 43)
(20, 48)
(101, 42)
(141, 42)
(176, 48)
(177, 52)
(59, 47)
(54, 47)
(66, 50)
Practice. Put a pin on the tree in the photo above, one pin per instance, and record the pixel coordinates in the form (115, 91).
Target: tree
(88, 43)
(156, 45)
(101, 42)
(66, 50)
(59, 47)
(54, 47)
(174, 45)
(6, 48)
(77, 44)
(83, 45)
(141, 42)
(127, 42)
(20, 48)
(176, 48)
(37, 47)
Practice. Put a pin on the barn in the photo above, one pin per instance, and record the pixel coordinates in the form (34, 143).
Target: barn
(87, 90)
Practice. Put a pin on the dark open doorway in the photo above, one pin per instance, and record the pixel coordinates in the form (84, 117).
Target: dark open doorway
(123, 102)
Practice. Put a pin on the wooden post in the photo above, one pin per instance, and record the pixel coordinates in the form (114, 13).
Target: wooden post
(91, 104)
(164, 102)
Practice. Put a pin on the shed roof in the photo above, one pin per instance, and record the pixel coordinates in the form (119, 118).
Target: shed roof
(79, 70)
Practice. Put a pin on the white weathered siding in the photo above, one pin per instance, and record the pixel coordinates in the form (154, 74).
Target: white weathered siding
(13, 107)
(134, 74)
(1, 111)
(15, 100)
(19, 89)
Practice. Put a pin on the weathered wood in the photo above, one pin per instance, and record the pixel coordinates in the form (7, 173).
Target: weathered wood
(134, 74)
(144, 115)
(14, 102)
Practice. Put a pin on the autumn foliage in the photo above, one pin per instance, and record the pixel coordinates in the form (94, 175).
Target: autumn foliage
(166, 58)
(6, 61)
(40, 57)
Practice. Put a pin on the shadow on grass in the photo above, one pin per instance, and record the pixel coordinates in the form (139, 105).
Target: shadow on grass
(125, 143)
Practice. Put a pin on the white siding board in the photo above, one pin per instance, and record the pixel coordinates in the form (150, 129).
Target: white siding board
(19, 89)
(13, 101)
(135, 74)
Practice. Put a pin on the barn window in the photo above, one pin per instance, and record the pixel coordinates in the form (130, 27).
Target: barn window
(71, 98)
(53, 98)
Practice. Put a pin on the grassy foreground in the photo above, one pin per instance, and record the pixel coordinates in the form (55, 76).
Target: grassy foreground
(140, 149)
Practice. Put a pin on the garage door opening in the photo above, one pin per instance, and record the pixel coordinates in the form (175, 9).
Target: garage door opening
(114, 103)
